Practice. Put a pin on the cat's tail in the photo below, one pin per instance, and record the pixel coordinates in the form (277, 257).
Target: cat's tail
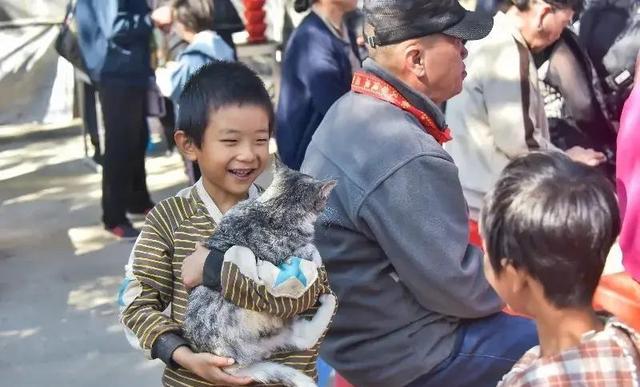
(270, 372)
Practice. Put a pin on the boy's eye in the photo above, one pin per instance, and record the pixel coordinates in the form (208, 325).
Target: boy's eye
(262, 140)
(229, 141)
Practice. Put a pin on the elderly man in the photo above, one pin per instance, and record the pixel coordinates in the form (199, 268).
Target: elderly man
(415, 308)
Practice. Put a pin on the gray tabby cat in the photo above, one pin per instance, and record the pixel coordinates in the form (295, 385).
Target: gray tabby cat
(275, 226)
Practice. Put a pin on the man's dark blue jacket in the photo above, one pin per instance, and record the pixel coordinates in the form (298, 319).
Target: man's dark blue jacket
(315, 73)
(114, 37)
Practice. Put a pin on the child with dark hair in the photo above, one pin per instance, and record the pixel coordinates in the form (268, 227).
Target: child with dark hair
(547, 228)
(224, 123)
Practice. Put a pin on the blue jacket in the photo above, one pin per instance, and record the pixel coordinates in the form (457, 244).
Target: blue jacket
(205, 48)
(114, 37)
(316, 72)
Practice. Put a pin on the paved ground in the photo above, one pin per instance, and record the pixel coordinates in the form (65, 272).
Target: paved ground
(59, 271)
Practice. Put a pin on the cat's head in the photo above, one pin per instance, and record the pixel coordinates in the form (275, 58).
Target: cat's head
(296, 191)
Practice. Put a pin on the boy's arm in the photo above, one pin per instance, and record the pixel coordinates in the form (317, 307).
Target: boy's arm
(152, 282)
(206, 267)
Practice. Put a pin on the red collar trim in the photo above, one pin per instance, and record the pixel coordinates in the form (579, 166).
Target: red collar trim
(369, 84)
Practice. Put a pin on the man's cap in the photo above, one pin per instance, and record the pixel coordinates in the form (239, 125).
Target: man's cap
(395, 21)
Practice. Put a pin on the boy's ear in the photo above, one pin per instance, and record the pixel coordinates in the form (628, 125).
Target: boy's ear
(185, 144)
(518, 278)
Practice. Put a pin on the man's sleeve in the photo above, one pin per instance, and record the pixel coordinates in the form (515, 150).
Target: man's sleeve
(418, 216)
(152, 281)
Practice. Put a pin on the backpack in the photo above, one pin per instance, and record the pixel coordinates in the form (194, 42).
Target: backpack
(66, 43)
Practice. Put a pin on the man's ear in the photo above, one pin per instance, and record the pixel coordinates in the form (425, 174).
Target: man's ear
(544, 10)
(414, 59)
(185, 144)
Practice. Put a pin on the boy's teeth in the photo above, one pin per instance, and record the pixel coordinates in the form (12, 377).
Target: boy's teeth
(241, 172)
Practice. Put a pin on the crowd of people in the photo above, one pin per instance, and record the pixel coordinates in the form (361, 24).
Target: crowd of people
(474, 154)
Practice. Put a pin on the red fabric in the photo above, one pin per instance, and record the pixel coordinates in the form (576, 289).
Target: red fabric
(619, 295)
(369, 84)
(474, 234)
(341, 382)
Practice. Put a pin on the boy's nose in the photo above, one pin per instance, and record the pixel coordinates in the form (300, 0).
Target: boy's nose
(246, 154)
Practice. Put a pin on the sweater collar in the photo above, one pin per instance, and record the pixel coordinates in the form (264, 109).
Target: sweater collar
(416, 99)
(208, 206)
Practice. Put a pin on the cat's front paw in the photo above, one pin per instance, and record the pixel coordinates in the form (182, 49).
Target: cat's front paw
(328, 301)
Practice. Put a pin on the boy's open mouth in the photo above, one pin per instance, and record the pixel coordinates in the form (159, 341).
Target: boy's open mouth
(242, 173)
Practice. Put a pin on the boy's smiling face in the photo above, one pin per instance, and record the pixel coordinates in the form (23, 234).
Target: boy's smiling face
(233, 153)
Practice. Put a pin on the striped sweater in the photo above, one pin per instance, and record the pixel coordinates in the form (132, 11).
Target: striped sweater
(169, 235)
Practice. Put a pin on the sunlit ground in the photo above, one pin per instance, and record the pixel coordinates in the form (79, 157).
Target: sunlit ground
(59, 269)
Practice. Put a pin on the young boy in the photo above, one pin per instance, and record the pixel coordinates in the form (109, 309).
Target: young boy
(224, 123)
(547, 227)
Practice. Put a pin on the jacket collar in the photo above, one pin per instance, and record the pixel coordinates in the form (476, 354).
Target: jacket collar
(416, 99)
(207, 206)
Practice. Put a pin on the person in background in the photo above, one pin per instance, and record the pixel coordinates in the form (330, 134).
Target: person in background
(319, 61)
(114, 38)
(600, 25)
(225, 21)
(499, 115)
(628, 180)
(574, 100)
(548, 226)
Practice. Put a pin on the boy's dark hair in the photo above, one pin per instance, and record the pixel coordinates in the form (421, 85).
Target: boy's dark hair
(554, 218)
(195, 15)
(214, 86)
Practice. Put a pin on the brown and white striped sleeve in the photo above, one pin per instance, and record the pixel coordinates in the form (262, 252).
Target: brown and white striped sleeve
(247, 294)
(152, 268)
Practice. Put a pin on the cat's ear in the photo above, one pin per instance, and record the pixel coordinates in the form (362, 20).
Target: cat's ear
(277, 163)
(326, 187)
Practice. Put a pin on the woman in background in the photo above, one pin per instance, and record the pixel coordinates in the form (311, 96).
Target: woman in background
(318, 64)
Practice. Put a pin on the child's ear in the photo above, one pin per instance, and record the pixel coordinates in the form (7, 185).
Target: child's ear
(518, 278)
(185, 144)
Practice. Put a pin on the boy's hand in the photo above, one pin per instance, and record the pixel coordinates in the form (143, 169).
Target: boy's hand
(208, 366)
(193, 267)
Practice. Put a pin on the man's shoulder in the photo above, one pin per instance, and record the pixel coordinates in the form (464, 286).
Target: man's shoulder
(312, 27)
(378, 124)
(364, 139)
